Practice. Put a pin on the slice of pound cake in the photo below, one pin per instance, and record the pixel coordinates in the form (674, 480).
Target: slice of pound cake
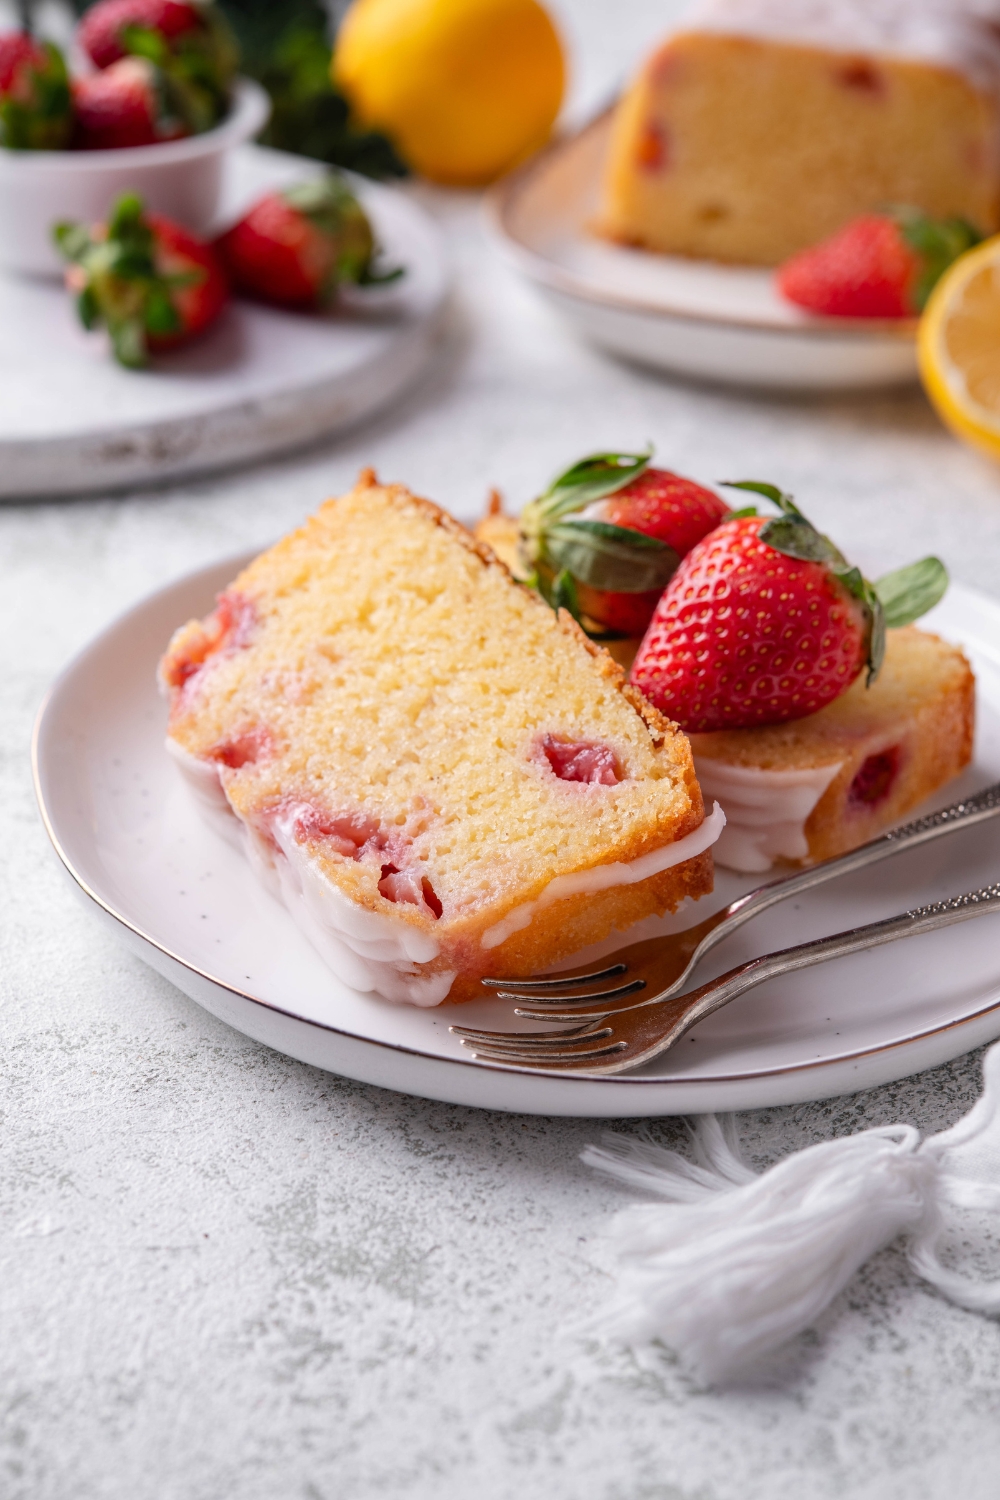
(815, 787)
(441, 777)
(764, 126)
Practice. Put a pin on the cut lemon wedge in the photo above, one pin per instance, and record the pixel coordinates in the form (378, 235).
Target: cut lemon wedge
(959, 347)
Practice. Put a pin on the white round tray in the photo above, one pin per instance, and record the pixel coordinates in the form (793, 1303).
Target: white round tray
(262, 380)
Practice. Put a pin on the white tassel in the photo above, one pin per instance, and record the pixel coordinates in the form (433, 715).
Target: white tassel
(738, 1263)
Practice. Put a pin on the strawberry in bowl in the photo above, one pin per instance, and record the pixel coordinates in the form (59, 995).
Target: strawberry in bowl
(608, 534)
(765, 621)
(296, 247)
(151, 283)
(36, 112)
(127, 104)
(877, 266)
(190, 45)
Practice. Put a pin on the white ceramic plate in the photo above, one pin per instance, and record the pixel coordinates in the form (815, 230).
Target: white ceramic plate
(261, 380)
(690, 317)
(186, 902)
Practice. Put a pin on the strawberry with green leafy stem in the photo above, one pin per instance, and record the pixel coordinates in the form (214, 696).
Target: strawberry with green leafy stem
(36, 110)
(607, 535)
(150, 282)
(296, 247)
(766, 621)
(127, 104)
(190, 44)
(877, 266)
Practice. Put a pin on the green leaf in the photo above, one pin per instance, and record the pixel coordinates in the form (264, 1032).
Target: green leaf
(612, 558)
(564, 595)
(128, 340)
(907, 593)
(71, 240)
(938, 243)
(592, 478)
(738, 515)
(161, 315)
(87, 309)
(780, 498)
(145, 41)
(795, 537)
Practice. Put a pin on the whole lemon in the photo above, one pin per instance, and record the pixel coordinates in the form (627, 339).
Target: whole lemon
(465, 88)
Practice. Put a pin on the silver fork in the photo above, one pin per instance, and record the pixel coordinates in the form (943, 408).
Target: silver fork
(612, 1039)
(652, 970)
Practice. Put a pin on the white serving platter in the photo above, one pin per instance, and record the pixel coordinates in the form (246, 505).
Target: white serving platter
(261, 381)
(688, 317)
(176, 892)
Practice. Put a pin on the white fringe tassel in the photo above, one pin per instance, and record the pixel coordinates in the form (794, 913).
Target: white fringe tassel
(737, 1263)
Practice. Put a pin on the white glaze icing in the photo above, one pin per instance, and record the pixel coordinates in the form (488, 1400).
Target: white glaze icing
(371, 951)
(766, 811)
(602, 877)
(957, 34)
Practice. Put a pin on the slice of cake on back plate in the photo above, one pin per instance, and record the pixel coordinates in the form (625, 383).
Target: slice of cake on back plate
(442, 778)
(763, 126)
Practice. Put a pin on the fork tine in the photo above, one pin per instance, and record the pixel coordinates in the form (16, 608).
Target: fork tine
(577, 1054)
(516, 1037)
(555, 981)
(582, 1017)
(622, 989)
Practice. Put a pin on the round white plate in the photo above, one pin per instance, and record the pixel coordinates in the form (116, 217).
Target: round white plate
(690, 317)
(260, 381)
(181, 897)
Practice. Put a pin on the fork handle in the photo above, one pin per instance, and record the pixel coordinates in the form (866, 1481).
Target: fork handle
(699, 1003)
(964, 814)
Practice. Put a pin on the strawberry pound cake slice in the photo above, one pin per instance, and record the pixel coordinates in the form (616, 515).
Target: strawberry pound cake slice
(440, 777)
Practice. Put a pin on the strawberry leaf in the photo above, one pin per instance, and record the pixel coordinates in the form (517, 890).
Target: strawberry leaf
(564, 595)
(937, 243)
(591, 479)
(610, 557)
(907, 593)
(780, 498)
(794, 535)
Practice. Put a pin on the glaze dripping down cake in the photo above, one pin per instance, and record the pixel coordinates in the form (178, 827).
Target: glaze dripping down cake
(812, 788)
(442, 778)
(764, 126)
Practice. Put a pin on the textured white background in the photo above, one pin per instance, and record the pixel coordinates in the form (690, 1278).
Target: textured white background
(223, 1274)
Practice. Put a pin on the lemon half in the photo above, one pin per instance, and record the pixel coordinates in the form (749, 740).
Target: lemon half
(959, 347)
(465, 88)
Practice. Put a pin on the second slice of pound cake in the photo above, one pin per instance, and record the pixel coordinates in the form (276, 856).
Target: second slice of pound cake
(763, 126)
(815, 787)
(441, 777)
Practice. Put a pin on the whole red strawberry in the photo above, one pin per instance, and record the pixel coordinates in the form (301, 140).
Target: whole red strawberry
(150, 282)
(877, 266)
(126, 105)
(608, 534)
(35, 107)
(296, 247)
(190, 43)
(103, 31)
(765, 621)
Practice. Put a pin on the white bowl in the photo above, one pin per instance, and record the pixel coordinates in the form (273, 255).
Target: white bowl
(182, 179)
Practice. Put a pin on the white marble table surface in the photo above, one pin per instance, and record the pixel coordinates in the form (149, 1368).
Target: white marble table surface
(225, 1274)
